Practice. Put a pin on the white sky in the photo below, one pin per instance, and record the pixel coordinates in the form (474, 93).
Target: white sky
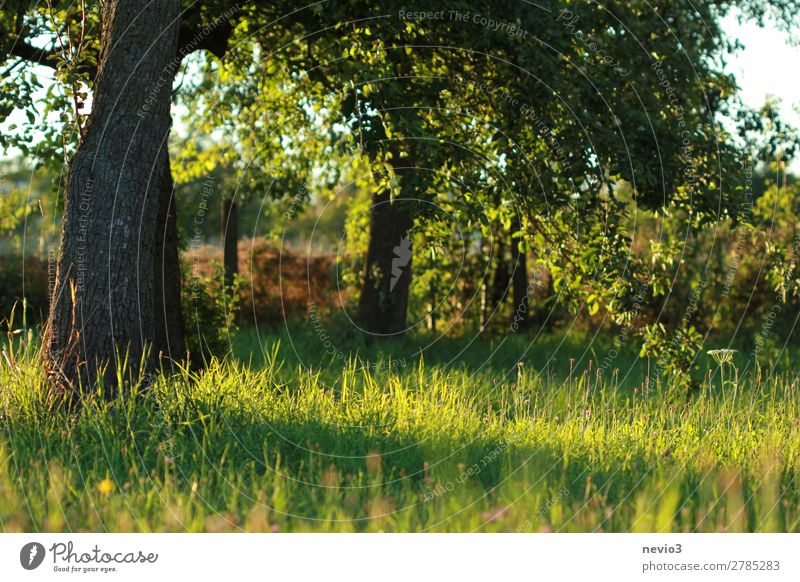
(766, 66)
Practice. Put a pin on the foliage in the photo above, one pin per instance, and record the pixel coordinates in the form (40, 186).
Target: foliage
(54, 107)
(14, 209)
(28, 203)
(210, 309)
(674, 355)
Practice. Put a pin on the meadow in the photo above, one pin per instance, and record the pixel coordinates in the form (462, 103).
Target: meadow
(477, 434)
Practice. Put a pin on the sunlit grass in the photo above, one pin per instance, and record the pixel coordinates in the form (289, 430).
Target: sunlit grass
(435, 444)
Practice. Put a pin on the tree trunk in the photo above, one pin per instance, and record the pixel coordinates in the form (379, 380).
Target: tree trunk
(485, 285)
(103, 298)
(170, 340)
(433, 295)
(499, 284)
(383, 302)
(230, 240)
(519, 281)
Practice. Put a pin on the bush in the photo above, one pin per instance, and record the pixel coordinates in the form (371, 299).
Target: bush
(210, 310)
(24, 279)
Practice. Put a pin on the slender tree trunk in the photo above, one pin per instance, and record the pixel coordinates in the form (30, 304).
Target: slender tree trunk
(499, 284)
(230, 240)
(485, 285)
(103, 296)
(383, 302)
(170, 339)
(433, 303)
(519, 281)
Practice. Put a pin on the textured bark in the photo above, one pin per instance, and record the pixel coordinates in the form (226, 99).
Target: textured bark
(103, 297)
(230, 239)
(383, 303)
(519, 282)
(170, 341)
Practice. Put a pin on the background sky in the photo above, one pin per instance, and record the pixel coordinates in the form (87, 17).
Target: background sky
(767, 66)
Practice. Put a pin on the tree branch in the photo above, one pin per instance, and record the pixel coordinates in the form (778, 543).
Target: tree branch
(214, 40)
(30, 53)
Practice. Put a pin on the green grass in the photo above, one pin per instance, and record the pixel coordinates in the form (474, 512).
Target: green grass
(464, 439)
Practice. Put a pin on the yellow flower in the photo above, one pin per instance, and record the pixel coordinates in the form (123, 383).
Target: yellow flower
(106, 486)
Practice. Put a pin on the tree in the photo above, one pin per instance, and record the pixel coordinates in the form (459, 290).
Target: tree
(73, 53)
(572, 113)
(102, 305)
(579, 98)
(519, 278)
(386, 278)
(230, 239)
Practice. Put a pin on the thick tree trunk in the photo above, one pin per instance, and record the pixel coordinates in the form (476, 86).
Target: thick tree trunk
(230, 240)
(170, 342)
(383, 302)
(103, 297)
(519, 282)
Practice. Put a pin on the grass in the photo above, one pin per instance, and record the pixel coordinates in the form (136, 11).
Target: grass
(290, 436)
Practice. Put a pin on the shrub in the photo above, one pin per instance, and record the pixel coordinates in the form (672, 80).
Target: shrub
(24, 279)
(210, 309)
